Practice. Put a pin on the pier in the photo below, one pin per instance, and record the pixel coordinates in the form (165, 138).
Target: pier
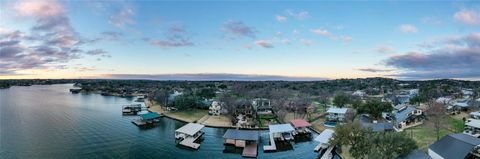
(188, 134)
(246, 139)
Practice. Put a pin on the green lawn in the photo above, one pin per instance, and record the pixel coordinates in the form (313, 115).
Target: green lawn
(189, 115)
(456, 124)
(425, 135)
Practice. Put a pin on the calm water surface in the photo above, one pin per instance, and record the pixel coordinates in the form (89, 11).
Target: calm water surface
(50, 122)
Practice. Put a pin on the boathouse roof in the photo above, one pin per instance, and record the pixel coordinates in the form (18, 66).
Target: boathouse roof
(325, 136)
(190, 129)
(299, 123)
(150, 116)
(250, 135)
(280, 128)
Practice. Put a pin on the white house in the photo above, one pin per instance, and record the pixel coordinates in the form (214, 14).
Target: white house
(359, 93)
(215, 108)
(472, 125)
(336, 114)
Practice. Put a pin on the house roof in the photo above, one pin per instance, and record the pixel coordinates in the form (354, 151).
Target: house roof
(280, 128)
(415, 154)
(403, 114)
(376, 127)
(325, 136)
(190, 129)
(298, 123)
(473, 123)
(241, 134)
(150, 116)
(337, 110)
(454, 146)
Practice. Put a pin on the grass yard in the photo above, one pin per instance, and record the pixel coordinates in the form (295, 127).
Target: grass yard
(188, 115)
(425, 135)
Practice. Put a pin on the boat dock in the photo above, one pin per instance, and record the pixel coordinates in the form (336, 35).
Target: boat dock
(246, 139)
(250, 150)
(190, 142)
(272, 146)
(188, 134)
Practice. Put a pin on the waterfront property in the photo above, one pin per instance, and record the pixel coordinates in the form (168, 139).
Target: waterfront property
(404, 116)
(189, 134)
(244, 139)
(455, 146)
(148, 119)
(215, 108)
(301, 127)
(281, 133)
(335, 115)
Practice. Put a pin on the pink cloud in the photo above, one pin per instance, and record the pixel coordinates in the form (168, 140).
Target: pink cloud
(264, 43)
(39, 8)
(469, 17)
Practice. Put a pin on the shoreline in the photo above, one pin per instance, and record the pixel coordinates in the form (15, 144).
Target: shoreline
(151, 108)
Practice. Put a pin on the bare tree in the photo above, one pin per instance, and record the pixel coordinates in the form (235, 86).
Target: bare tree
(436, 114)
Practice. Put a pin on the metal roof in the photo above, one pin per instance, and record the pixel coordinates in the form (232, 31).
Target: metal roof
(473, 123)
(280, 128)
(325, 136)
(251, 135)
(190, 129)
(454, 146)
(403, 114)
(150, 116)
(300, 123)
(337, 110)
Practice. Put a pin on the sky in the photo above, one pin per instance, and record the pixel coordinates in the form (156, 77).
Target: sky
(239, 40)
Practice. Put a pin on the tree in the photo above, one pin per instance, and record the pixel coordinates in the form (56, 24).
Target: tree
(366, 143)
(389, 145)
(340, 100)
(207, 93)
(436, 114)
(355, 135)
(161, 97)
(375, 108)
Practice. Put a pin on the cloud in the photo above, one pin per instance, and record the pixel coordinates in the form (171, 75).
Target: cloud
(235, 29)
(347, 39)
(322, 32)
(467, 16)
(176, 36)
(280, 18)
(98, 52)
(306, 42)
(432, 20)
(50, 44)
(408, 28)
(457, 57)
(385, 49)
(373, 70)
(123, 17)
(264, 43)
(211, 77)
(39, 8)
(300, 15)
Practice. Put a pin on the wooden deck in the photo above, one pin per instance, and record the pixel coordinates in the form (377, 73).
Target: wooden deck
(328, 153)
(272, 146)
(138, 122)
(190, 142)
(250, 150)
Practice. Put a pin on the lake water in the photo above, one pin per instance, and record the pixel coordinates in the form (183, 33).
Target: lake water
(49, 122)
